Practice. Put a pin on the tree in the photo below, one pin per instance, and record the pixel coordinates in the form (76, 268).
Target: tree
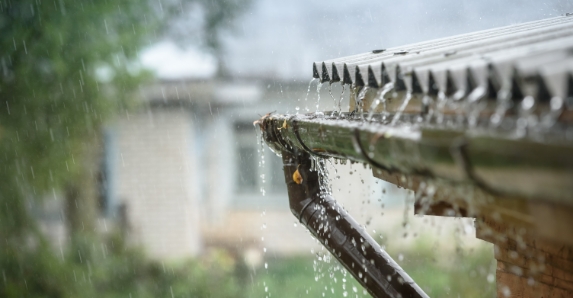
(66, 67)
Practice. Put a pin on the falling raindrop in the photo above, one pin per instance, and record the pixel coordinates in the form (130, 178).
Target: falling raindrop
(308, 92)
(333, 99)
(318, 87)
(340, 100)
(405, 102)
(360, 101)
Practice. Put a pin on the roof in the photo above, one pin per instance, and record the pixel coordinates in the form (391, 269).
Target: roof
(533, 53)
(203, 91)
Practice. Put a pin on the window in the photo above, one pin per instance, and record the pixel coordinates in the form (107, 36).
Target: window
(250, 170)
(247, 168)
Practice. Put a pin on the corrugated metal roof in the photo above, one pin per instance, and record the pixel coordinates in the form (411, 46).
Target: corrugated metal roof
(538, 54)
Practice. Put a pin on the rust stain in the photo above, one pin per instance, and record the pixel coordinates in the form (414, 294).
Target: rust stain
(284, 126)
(297, 177)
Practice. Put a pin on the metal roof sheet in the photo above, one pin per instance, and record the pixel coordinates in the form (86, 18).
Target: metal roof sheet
(539, 52)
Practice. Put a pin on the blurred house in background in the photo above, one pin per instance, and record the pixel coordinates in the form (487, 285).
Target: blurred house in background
(184, 173)
(187, 173)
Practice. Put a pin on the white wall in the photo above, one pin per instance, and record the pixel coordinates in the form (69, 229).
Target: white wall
(156, 180)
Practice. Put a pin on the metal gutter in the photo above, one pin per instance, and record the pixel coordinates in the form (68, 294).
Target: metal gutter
(498, 162)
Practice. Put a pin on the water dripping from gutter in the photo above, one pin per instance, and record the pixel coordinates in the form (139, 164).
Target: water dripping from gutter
(379, 99)
(405, 102)
(308, 91)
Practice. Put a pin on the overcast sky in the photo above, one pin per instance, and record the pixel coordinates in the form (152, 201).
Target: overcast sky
(281, 39)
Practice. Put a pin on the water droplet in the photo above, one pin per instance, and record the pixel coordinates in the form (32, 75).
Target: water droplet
(505, 291)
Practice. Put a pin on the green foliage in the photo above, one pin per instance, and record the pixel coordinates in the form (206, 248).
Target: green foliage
(129, 273)
(53, 100)
(463, 273)
(114, 270)
(439, 273)
(304, 277)
(66, 67)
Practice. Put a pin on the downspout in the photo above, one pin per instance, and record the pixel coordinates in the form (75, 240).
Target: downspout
(341, 234)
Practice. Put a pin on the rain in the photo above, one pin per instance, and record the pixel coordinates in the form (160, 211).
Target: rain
(251, 148)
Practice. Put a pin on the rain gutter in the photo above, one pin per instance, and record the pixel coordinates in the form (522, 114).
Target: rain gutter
(498, 163)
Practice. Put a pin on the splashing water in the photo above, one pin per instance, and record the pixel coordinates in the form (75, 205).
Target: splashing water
(332, 96)
(360, 101)
(405, 102)
(379, 99)
(373, 108)
(340, 100)
(504, 97)
(261, 152)
(308, 91)
(439, 112)
(318, 164)
(318, 87)
(475, 105)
